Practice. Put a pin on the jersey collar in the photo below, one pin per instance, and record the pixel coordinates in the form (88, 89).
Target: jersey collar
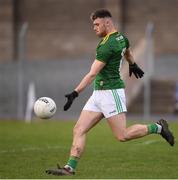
(107, 36)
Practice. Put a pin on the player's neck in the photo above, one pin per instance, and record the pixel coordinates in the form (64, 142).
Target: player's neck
(111, 30)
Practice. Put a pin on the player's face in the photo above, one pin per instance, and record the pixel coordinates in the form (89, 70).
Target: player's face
(99, 27)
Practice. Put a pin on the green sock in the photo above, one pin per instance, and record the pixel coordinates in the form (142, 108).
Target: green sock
(152, 128)
(72, 162)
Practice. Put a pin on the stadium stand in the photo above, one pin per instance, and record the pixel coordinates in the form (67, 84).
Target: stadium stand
(56, 30)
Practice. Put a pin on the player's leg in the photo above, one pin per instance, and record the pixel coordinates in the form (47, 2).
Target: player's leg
(89, 117)
(86, 121)
(118, 126)
(115, 109)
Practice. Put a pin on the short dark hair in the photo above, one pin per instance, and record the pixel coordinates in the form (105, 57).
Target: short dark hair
(100, 13)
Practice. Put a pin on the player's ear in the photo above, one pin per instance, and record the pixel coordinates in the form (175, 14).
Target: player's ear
(107, 22)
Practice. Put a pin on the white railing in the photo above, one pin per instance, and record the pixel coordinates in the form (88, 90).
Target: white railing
(20, 74)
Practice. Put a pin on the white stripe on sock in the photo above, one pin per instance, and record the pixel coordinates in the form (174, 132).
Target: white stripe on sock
(159, 128)
(69, 167)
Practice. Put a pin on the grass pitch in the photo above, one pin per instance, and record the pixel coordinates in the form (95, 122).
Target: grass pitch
(26, 150)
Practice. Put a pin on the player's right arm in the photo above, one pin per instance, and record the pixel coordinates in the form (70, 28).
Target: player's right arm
(88, 78)
(95, 69)
(103, 54)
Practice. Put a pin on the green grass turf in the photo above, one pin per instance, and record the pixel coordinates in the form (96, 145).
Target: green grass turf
(26, 150)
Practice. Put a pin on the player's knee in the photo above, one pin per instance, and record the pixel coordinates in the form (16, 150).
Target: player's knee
(122, 137)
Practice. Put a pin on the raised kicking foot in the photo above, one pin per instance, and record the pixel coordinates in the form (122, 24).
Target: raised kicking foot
(60, 171)
(165, 132)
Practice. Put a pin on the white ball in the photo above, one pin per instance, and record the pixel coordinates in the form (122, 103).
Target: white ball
(45, 108)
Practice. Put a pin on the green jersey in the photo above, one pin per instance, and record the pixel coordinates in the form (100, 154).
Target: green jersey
(110, 51)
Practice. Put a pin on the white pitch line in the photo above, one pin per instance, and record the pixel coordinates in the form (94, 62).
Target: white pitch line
(150, 142)
(30, 149)
(55, 147)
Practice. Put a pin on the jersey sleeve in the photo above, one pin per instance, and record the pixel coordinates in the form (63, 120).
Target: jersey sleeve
(103, 53)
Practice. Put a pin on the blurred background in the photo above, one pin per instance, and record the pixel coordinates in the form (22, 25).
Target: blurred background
(47, 46)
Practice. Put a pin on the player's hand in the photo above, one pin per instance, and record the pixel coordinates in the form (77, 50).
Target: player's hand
(70, 97)
(133, 68)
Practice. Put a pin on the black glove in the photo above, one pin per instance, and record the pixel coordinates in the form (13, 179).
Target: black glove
(70, 97)
(133, 68)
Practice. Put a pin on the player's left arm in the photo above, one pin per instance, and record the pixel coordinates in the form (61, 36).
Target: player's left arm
(133, 67)
(88, 78)
(129, 56)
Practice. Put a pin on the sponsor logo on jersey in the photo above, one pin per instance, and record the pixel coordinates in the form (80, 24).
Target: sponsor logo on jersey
(119, 38)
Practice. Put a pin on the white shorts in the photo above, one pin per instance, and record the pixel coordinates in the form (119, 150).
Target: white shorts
(109, 102)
